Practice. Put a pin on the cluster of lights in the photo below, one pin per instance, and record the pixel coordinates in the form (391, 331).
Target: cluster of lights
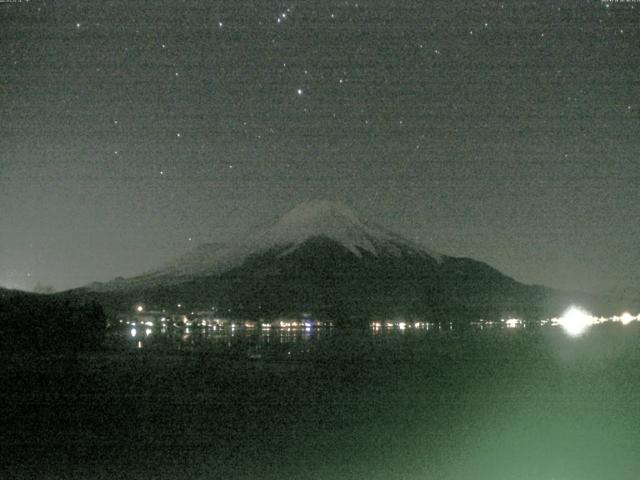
(204, 319)
(306, 324)
(576, 321)
(513, 322)
(401, 325)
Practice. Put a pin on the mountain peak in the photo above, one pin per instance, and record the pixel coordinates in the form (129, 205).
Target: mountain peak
(319, 214)
(336, 221)
(309, 220)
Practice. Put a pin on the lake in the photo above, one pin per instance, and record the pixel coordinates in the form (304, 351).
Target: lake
(327, 403)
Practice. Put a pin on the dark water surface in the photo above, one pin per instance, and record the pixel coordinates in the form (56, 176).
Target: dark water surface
(328, 404)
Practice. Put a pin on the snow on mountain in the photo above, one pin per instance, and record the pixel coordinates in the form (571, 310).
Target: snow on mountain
(336, 222)
(319, 218)
(311, 219)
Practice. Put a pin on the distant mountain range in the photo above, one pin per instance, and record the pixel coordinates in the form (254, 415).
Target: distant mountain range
(324, 260)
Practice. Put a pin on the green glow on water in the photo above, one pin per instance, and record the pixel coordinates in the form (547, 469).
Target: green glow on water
(504, 404)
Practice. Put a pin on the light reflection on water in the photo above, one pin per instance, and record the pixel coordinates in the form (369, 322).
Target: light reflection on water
(258, 337)
(210, 337)
(201, 332)
(486, 402)
(396, 400)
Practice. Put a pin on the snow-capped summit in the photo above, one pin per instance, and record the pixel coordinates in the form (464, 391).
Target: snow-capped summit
(310, 220)
(337, 222)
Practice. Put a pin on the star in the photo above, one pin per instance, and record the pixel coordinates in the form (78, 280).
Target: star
(299, 92)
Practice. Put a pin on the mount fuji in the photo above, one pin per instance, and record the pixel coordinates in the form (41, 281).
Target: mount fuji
(331, 221)
(323, 259)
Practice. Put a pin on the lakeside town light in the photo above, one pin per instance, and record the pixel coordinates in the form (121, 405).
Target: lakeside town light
(626, 318)
(575, 321)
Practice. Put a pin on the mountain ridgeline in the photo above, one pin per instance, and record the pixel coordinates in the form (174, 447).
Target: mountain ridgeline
(31, 322)
(323, 260)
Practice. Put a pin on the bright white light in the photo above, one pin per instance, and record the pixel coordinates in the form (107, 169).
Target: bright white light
(512, 322)
(575, 321)
(133, 332)
(147, 332)
(139, 308)
(627, 318)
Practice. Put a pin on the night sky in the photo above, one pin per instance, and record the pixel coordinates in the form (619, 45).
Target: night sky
(504, 131)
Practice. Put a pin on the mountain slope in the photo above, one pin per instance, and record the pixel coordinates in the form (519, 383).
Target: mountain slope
(309, 220)
(322, 259)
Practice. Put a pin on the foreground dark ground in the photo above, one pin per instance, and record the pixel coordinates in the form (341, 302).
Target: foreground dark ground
(453, 405)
